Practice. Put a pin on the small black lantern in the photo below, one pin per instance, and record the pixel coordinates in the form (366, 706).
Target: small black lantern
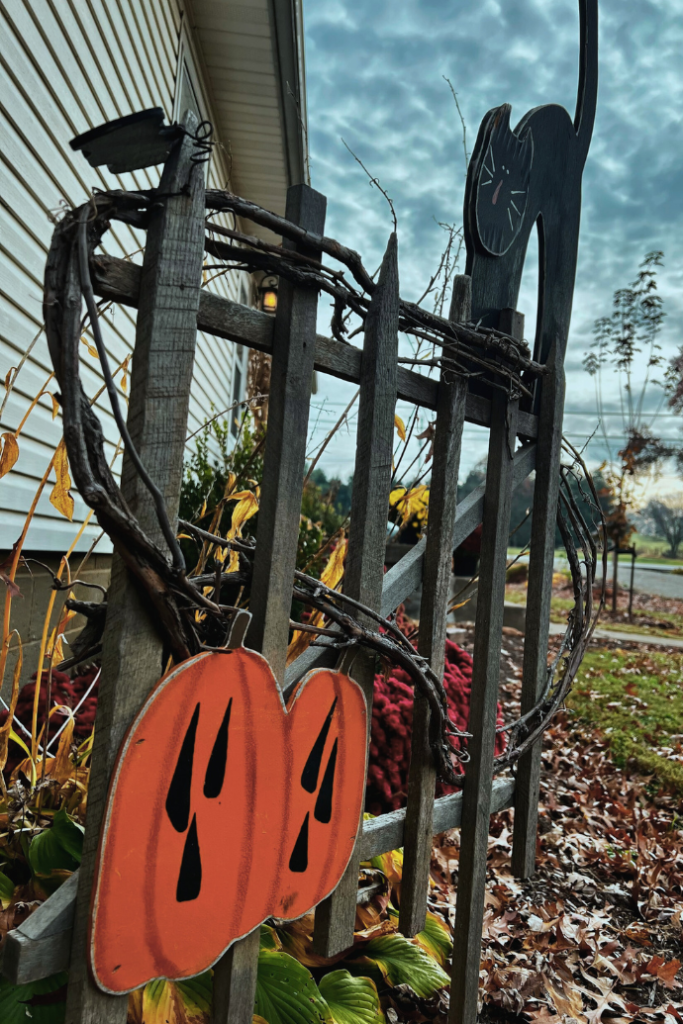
(268, 293)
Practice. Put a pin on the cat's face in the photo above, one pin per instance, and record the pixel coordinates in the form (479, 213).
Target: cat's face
(503, 184)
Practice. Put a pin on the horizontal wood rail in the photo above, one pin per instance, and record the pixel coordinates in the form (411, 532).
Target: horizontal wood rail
(119, 281)
(41, 946)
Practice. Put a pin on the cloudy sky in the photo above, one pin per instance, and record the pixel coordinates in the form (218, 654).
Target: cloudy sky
(375, 78)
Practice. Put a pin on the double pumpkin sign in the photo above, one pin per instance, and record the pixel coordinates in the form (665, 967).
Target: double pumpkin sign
(226, 807)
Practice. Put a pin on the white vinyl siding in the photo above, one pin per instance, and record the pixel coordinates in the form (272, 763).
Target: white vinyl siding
(67, 66)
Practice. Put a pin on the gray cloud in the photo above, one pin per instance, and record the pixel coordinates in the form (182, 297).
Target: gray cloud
(375, 78)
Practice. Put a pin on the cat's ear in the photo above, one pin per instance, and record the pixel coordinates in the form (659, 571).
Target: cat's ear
(501, 119)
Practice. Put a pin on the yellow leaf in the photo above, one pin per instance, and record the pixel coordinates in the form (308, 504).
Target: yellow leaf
(9, 453)
(55, 406)
(61, 767)
(6, 728)
(395, 496)
(229, 484)
(413, 503)
(331, 576)
(124, 373)
(234, 563)
(246, 507)
(90, 347)
(400, 427)
(334, 570)
(57, 652)
(61, 496)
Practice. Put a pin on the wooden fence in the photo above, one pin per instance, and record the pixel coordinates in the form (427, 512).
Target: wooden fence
(166, 290)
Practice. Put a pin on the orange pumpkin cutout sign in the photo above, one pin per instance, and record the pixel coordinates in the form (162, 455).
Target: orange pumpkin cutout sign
(225, 808)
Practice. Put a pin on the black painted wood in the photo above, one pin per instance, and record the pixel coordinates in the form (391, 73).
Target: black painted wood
(557, 148)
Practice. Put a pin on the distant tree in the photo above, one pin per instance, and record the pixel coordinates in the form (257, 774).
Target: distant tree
(674, 387)
(666, 516)
(627, 342)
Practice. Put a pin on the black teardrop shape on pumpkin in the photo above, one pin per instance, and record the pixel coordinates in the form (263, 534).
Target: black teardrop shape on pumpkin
(190, 877)
(299, 859)
(323, 805)
(215, 772)
(309, 776)
(178, 798)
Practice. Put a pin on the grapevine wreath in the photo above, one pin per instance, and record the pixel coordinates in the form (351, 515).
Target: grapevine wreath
(173, 595)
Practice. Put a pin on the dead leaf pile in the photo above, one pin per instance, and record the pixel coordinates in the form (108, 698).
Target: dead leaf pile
(596, 935)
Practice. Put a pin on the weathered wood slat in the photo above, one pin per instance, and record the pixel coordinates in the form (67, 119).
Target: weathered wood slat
(541, 559)
(364, 569)
(120, 280)
(278, 533)
(482, 722)
(387, 832)
(42, 944)
(160, 388)
(438, 559)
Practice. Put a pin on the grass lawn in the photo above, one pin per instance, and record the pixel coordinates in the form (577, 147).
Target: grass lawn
(636, 700)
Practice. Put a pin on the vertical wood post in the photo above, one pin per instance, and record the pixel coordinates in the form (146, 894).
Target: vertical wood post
(278, 534)
(364, 574)
(476, 808)
(160, 393)
(450, 418)
(541, 557)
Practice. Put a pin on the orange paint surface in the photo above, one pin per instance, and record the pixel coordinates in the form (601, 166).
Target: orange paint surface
(225, 809)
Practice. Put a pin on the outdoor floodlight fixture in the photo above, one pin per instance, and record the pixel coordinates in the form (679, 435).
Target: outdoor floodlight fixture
(129, 143)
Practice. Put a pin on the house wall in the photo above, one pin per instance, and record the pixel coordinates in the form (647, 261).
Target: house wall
(67, 66)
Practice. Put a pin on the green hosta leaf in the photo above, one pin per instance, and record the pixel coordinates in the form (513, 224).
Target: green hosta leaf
(351, 1000)
(40, 1002)
(269, 938)
(183, 1002)
(286, 992)
(403, 963)
(58, 847)
(436, 938)
(6, 890)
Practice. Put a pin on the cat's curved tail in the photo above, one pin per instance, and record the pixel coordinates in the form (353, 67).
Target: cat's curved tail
(587, 97)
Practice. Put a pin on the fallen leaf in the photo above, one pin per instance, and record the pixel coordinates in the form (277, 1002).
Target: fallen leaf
(9, 453)
(61, 496)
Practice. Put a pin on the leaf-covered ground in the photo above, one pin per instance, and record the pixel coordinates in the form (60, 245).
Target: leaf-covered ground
(652, 614)
(597, 934)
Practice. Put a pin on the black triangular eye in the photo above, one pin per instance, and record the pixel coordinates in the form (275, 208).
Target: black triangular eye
(309, 776)
(178, 798)
(323, 805)
(190, 876)
(299, 859)
(215, 771)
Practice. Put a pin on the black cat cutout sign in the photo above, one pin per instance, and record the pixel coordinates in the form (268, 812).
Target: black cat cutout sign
(526, 176)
